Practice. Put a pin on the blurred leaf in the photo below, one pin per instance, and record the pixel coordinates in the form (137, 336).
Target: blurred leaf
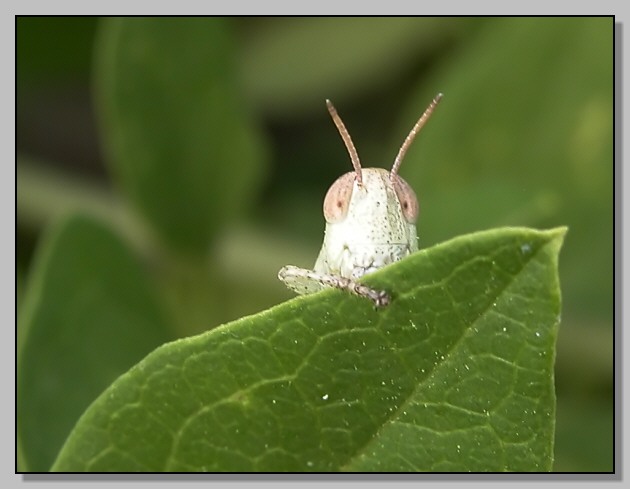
(88, 315)
(178, 136)
(455, 375)
(585, 423)
(294, 64)
(523, 136)
(520, 122)
(46, 194)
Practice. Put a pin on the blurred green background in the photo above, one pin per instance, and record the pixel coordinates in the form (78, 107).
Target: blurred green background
(186, 160)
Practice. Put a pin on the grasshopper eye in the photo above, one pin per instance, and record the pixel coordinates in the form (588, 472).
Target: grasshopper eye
(337, 198)
(407, 198)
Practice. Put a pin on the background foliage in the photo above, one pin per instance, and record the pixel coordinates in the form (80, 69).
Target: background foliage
(523, 136)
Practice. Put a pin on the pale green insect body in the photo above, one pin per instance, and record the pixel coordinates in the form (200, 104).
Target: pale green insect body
(375, 230)
(370, 217)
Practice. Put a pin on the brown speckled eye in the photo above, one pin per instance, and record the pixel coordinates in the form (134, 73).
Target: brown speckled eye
(407, 198)
(337, 198)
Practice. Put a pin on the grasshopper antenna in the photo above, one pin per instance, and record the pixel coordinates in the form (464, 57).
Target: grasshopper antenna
(354, 156)
(416, 129)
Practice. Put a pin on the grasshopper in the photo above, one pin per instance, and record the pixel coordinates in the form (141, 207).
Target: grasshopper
(371, 219)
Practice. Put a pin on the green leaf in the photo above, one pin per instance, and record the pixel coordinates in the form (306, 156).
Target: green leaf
(87, 316)
(178, 135)
(455, 375)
